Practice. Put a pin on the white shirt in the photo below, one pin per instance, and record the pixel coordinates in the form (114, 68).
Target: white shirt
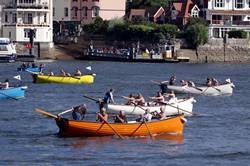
(147, 116)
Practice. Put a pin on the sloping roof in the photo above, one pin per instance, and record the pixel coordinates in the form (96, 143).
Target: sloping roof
(177, 6)
(148, 11)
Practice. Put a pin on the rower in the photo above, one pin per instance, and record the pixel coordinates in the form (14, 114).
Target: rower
(159, 98)
(78, 72)
(5, 85)
(79, 112)
(140, 99)
(121, 118)
(102, 115)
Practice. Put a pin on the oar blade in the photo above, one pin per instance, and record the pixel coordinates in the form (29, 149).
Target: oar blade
(45, 113)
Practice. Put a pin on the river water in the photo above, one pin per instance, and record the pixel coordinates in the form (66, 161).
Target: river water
(218, 136)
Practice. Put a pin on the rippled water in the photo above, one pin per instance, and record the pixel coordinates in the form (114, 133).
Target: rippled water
(218, 136)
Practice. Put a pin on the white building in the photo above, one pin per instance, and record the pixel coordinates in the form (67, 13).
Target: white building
(225, 15)
(19, 16)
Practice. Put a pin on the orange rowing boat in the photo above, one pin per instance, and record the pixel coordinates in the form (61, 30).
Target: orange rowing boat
(72, 128)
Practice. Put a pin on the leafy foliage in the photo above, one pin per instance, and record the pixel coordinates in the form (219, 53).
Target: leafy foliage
(237, 34)
(197, 34)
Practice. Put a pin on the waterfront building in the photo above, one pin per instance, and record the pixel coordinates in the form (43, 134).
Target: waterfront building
(19, 16)
(85, 11)
(152, 14)
(225, 15)
(179, 12)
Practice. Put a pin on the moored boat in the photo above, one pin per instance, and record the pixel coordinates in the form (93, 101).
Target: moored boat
(180, 106)
(13, 92)
(83, 79)
(223, 89)
(7, 50)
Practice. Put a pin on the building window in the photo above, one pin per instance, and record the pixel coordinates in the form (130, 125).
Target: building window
(75, 10)
(38, 18)
(95, 0)
(27, 32)
(66, 12)
(45, 18)
(95, 11)
(9, 34)
(195, 13)
(75, 0)
(85, 11)
(219, 3)
(239, 4)
(6, 17)
(54, 11)
(14, 18)
(30, 18)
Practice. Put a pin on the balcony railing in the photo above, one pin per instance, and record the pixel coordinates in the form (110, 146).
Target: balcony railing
(229, 22)
(26, 25)
(27, 6)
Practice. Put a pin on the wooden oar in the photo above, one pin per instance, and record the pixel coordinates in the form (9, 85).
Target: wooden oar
(145, 122)
(91, 98)
(111, 127)
(8, 96)
(64, 112)
(45, 113)
(156, 82)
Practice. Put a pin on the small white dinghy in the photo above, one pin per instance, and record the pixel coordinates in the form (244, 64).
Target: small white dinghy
(173, 107)
(223, 89)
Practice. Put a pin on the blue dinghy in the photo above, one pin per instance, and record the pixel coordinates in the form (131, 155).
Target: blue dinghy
(31, 69)
(13, 93)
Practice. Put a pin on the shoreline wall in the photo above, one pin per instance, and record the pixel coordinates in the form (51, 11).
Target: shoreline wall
(215, 51)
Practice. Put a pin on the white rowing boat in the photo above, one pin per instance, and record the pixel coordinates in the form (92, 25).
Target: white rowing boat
(173, 107)
(223, 89)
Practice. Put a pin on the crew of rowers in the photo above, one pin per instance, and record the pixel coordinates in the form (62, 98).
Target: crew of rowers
(158, 99)
(66, 74)
(211, 81)
(102, 116)
(31, 65)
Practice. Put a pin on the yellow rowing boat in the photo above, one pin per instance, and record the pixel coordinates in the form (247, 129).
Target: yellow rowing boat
(83, 79)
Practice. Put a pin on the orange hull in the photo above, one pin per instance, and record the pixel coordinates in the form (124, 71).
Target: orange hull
(72, 128)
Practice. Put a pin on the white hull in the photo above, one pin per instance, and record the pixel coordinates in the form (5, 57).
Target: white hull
(185, 107)
(225, 89)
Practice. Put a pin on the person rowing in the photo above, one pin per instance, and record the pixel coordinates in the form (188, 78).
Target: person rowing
(5, 84)
(78, 72)
(140, 100)
(159, 98)
(121, 118)
(79, 112)
(102, 115)
(146, 116)
(130, 98)
(160, 115)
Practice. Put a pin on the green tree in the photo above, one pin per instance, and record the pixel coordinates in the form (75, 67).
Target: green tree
(197, 34)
